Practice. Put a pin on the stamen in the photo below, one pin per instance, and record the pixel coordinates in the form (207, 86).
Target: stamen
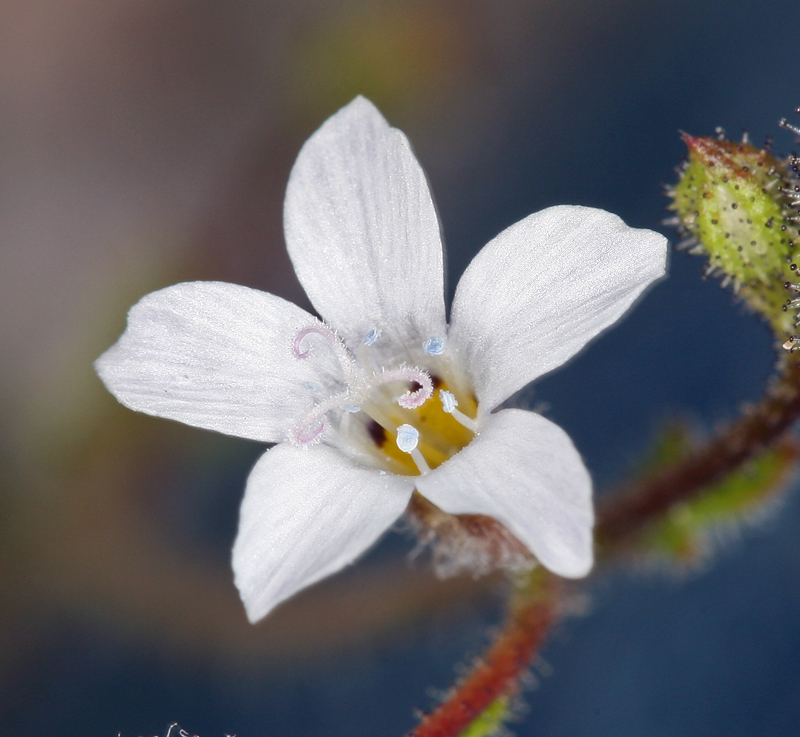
(449, 401)
(407, 438)
(407, 441)
(337, 346)
(464, 420)
(365, 397)
(434, 346)
(420, 462)
(449, 404)
(411, 399)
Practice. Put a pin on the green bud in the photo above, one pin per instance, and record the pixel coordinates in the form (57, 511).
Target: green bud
(684, 535)
(732, 202)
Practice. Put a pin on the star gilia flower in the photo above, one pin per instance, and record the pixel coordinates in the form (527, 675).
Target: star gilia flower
(382, 396)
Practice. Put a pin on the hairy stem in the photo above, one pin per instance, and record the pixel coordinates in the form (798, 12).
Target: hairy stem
(627, 513)
(533, 609)
(619, 520)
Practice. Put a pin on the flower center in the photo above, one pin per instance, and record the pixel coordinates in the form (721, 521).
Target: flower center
(400, 418)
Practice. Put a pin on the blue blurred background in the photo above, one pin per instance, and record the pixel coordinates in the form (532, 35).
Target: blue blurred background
(148, 142)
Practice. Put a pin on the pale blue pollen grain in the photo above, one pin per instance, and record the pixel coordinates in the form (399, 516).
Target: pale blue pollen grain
(434, 346)
(449, 401)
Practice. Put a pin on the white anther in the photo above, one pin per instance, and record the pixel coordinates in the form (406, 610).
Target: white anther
(407, 441)
(372, 336)
(434, 346)
(352, 408)
(449, 401)
(449, 404)
(407, 438)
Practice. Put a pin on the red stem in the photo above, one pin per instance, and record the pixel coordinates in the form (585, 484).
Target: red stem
(498, 674)
(627, 513)
(619, 520)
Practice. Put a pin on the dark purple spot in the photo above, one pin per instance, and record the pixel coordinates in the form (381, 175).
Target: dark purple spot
(377, 433)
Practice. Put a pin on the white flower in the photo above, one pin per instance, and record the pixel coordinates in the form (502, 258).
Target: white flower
(385, 396)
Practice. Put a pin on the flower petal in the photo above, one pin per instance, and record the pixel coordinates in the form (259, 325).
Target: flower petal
(362, 230)
(524, 471)
(307, 513)
(543, 288)
(217, 356)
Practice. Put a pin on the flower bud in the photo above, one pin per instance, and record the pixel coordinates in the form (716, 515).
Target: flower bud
(733, 203)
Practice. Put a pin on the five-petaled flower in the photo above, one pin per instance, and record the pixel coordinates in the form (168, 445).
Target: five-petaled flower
(384, 396)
